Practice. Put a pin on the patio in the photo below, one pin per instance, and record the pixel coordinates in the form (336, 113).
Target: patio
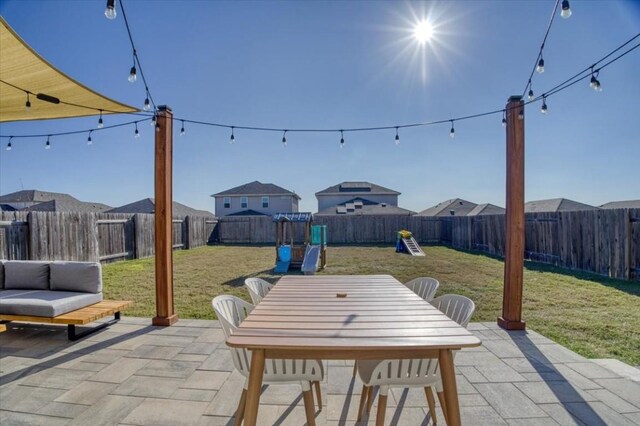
(136, 374)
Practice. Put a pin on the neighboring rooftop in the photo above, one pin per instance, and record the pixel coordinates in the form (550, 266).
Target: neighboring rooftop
(361, 206)
(148, 205)
(357, 188)
(257, 188)
(629, 204)
(35, 200)
(453, 207)
(555, 205)
(484, 209)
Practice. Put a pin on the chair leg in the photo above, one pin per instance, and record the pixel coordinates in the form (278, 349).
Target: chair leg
(363, 399)
(240, 410)
(369, 399)
(432, 403)
(308, 407)
(318, 395)
(382, 408)
(443, 404)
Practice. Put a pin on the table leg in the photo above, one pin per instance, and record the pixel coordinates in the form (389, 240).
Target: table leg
(255, 384)
(448, 373)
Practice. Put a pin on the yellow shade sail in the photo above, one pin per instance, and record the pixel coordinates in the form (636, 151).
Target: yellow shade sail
(22, 69)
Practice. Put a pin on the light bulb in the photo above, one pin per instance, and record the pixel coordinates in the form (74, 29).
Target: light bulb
(341, 139)
(9, 146)
(232, 138)
(521, 114)
(592, 83)
(110, 11)
(153, 120)
(284, 140)
(504, 122)
(147, 105)
(182, 132)
(157, 127)
(132, 75)
(397, 137)
(89, 141)
(598, 86)
(530, 95)
(452, 132)
(27, 104)
(47, 145)
(136, 134)
(566, 10)
(540, 67)
(544, 109)
(100, 123)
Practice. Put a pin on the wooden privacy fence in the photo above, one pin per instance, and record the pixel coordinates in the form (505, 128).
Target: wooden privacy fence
(93, 236)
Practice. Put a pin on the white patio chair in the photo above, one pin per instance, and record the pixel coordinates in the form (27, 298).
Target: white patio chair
(231, 311)
(406, 373)
(424, 287)
(258, 288)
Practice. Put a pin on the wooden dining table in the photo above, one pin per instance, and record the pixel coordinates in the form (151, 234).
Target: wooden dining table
(348, 317)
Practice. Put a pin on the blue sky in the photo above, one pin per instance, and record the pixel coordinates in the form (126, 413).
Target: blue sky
(336, 65)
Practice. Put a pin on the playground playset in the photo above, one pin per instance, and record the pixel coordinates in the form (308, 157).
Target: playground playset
(309, 255)
(405, 243)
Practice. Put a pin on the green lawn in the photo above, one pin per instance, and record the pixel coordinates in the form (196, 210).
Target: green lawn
(594, 316)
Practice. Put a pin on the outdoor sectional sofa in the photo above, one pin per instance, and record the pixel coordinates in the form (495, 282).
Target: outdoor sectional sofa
(55, 292)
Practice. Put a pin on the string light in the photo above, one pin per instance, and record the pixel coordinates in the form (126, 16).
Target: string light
(136, 134)
(147, 104)
(566, 10)
(544, 109)
(157, 126)
(132, 73)
(397, 136)
(182, 132)
(232, 138)
(27, 104)
(521, 114)
(48, 144)
(504, 118)
(530, 94)
(153, 120)
(9, 144)
(284, 138)
(100, 122)
(110, 11)
(89, 141)
(452, 133)
(595, 83)
(341, 139)
(540, 66)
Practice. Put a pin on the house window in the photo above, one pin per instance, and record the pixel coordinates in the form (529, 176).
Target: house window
(227, 202)
(244, 202)
(265, 202)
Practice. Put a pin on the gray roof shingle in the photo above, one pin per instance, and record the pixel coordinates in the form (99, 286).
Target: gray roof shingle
(257, 188)
(148, 205)
(52, 202)
(484, 209)
(354, 188)
(459, 206)
(628, 204)
(361, 206)
(555, 205)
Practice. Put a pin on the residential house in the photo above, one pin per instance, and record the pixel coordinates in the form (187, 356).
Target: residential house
(148, 206)
(255, 199)
(555, 205)
(629, 204)
(361, 206)
(453, 207)
(348, 192)
(485, 209)
(35, 200)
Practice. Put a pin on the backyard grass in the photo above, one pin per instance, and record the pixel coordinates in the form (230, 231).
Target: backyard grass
(592, 315)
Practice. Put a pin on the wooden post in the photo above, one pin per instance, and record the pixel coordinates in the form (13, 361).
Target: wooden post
(511, 318)
(165, 313)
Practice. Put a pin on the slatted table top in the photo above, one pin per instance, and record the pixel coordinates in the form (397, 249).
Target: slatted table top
(378, 313)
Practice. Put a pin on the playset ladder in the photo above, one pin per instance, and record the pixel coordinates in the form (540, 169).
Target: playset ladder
(412, 246)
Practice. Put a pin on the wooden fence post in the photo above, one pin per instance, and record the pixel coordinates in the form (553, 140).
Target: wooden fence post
(511, 318)
(165, 313)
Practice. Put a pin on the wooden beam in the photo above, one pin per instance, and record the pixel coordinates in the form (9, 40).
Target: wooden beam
(165, 312)
(511, 318)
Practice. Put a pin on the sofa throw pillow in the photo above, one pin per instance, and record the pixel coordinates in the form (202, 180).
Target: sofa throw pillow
(85, 277)
(26, 274)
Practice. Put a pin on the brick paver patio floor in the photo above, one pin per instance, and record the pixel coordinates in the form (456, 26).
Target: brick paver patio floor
(136, 374)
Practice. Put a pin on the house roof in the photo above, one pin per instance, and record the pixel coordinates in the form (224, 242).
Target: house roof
(257, 188)
(628, 204)
(248, 212)
(459, 206)
(361, 206)
(6, 208)
(555, 205)
(148, 205)
(487, 208)
(352, 188)
(52, 202)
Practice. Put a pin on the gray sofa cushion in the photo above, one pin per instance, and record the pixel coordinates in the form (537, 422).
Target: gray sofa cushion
(20, 274)
(76, 276)
(44, 303)
(1, 274)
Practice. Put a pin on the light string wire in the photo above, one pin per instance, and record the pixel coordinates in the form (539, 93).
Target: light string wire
(135, 55)
(556, 89)
(61, 101)
(544, 41)
(77, 132)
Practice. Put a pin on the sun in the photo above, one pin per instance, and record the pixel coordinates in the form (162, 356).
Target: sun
(423, 32)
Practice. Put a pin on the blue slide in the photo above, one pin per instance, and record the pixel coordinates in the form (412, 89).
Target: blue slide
(311, 260)
(284, 260)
